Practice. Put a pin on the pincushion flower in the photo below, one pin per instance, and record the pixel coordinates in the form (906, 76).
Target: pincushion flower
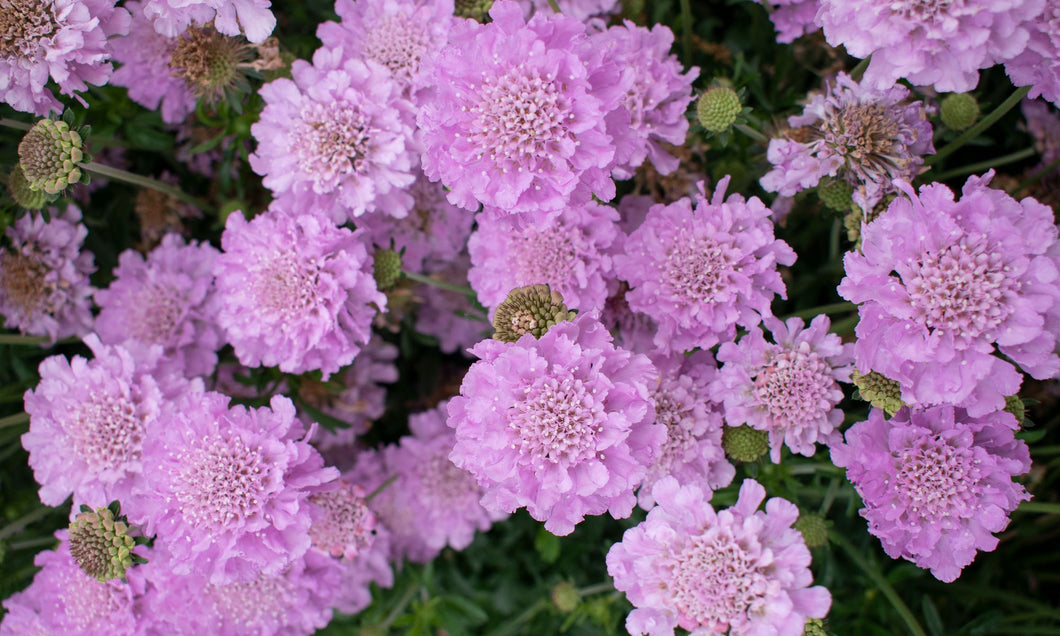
(936, 483)
(307, 284)
(62, 599)
(231, 17)
(516, 117)
(89, 420)
(166, 300)
(1043, 124)
(226, 488)
(791, 388)
(447, 316)
(941, 282)
(1039, 64)
(61, 40)
(865, 137)
(396, 34)
(337, 137)
(737, 571)
(940, 44)
(44, 286)
(793, 18)
(700, 271)
(591, 11)
(563, 425)
(692, 453)
(569, 252)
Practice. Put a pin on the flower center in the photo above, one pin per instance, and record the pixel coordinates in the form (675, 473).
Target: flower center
(252, 605)
(937, 480)
(397, 43)
(794, 387)
(154, 312)
(714, 580)
(331, 143)
(285, 286)
(543, 257)
(961, 289)
(207, 61)
(221, 482)
(865, 134)
(449, 486)
(925, 10)
(88, 605)
(23, 280)
(680, 439)
(697, 268)
(557, 421)
(23, 23)
(521, 119)
(107, 432)
(348, 526)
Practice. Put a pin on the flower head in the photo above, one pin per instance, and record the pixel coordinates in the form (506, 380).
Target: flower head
(49, 155)
(793, 18)
(562, 425)
(101, 544)
(230, 17)
(739, 571)
(701, 271)
(307, 283)
(791, 388)
(941, 282)
(936, 483)
(529, 310)
(516, 118)
(1039, 64)
(337, 137)
(44, 286)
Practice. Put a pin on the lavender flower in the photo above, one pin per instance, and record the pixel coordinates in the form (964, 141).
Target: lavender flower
(590, 11)
(338, 138)
(692, 453)
(226, 488)
(862, 136)
(44, 287)
(568, 252)
(941, 282)
(165, 300)
(1043, 123)
(501, 129)
(936, 44)
(307, 284)
(1039, 64)
(700, 272)
(793, 18)
(738, 571)
(446, 315)
(231, 17)
(562, 425)
(64, 40)
(936, 483)
(791, 388)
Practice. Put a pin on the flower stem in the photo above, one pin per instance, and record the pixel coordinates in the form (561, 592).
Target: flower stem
(440, 284)
(881, 582)
(118, 174)
(16, 526)
(988, 164)
(17, 125)
(1029, 181)
(514, 625)
(403, 603)
(380, 488)
(1043, 507)
(859, 70)
(599, 588)
(752, 133)
(834, 308)
(980, 127)
(554, 6)
(19, 339)
(686, 30)
(14, 420)
(39, 542)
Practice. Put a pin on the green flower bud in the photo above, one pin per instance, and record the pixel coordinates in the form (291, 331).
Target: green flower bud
(814, 627)
(959, 111)
(814, 530)
(565, 597)
(836, 195)
(386, 268)
(531, 309)
(878, 390)
(1014, 405)
(101, 544)
(743, 443)
(18, 188)
(49, 155)
(477, 10)
(718, 108)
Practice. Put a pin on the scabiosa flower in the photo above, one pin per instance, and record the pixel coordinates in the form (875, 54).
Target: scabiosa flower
(793, 18)
(940, 44)
(569, 252)
(434, 230)
(738, 571)
(397, 34)
(692, 453)
(862, 136)
(447, 315)
(88, 422)
(701, 271)
(64, 40)
(657, 94)
(165, 300)
(338, 137)
(230, 17)
(941, 282)
(226, 488)
(516, 116)
(1043, 124)
(790, 388)
(307, 284)
(44, 287)
(632, 330)
(64, 600)
(562, 425)
(591, 11)
(1039, 64)
(936, 483)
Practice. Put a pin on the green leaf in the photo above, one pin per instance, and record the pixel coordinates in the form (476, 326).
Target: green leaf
(932, 620)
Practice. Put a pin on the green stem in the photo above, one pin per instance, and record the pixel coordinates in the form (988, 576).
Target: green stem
(403, 603)
(980, 127)
(752, 133)
(554, 6)
(118, 174)
(686, 30)
(528, 613)
(881, 582)
(19, 339)
(17, 125)
(1040, 506)
(1029, 181)
(844, 326)
(380, 488)
(814, 468)
(834, 308)
(599, 588)
(16, 526)
(39, 542)
(988, 164)
(440, 284)
(829, 497)
(859, 70)
(14, 420)
(1046, 450)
